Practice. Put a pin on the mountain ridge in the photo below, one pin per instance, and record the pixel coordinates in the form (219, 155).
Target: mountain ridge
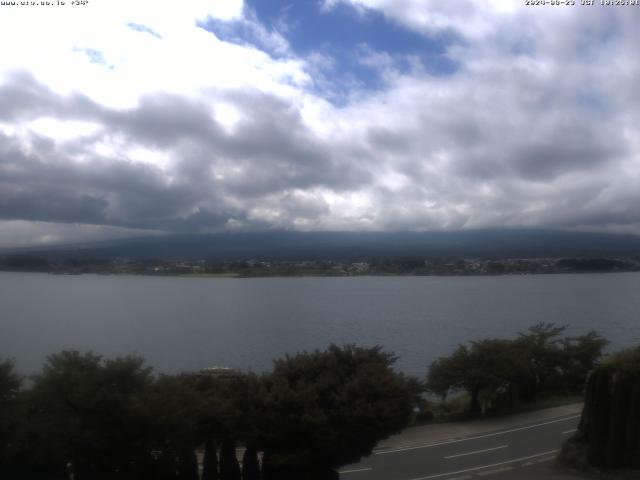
(288, 245)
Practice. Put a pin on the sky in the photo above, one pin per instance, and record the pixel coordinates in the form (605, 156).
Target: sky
(125, 118)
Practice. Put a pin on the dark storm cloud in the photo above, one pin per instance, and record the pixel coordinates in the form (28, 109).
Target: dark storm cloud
(102, 192)
(214, 176)
(22, 97)
(161, 120)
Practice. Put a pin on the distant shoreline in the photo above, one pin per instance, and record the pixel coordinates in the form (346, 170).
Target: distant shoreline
(232, 275)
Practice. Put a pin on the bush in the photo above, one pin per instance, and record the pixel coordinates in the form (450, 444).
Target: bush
(609, 430)
(330, 408)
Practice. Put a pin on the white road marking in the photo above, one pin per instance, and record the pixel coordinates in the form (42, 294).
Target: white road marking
(356, 470)
(486, 466)
(566, 432)
(448, 442)
(477, 451)
(494, 471)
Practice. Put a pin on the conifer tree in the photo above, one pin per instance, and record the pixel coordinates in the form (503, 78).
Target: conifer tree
(610, 423)
(210, 463)
(250, 465)
(229, 466)
(188, 466)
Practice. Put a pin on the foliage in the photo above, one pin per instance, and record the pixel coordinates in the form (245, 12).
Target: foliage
(10, 413)
(329, 408)
(229, 405)
(188, 464)
(501, 373)
(210, 461)
(112, 419)
(93, 413)
(609, 429)
(250, 465)
(229, 466)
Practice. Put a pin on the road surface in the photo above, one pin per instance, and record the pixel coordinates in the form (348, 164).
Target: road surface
(520, 451)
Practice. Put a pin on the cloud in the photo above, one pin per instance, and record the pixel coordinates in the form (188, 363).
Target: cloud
(250, 31)
(132, 123)
(465, 17)
(213, 179)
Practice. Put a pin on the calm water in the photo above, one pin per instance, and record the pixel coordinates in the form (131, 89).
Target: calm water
(188, 323)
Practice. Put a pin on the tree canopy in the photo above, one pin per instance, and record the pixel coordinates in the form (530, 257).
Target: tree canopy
(108, 419)
(328, 408)
(509, 371)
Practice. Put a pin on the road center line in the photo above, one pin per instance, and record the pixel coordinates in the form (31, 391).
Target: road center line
(356, 471)
(449, 442)
(477, 451)
(493, 472)
(486, 466)
(566, 432)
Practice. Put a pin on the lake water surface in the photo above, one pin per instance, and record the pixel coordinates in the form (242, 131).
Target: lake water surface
(181, 324)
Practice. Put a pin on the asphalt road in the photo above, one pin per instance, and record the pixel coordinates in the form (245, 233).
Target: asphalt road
(518, 452)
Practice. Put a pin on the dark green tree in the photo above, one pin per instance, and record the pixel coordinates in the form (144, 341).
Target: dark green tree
(167, 465)
(93, 414)
(250, 465)
(11, 418)
(210, 461)
(581, 355)
(188, 465)
(229, 466)
(329, 408)
(485, 366)
(541, 359)
(508, 371)
(610, 423)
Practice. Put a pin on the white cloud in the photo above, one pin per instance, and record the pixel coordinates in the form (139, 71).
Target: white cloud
(181, 131)
(472, 18)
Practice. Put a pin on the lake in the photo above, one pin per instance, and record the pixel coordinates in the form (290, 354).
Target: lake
(182, 324)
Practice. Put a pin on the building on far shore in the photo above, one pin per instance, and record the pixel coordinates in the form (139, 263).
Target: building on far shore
(217, 372)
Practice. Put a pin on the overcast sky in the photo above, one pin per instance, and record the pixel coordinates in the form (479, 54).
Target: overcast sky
(126, 117)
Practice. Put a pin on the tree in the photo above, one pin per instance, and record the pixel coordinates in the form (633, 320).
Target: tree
(508, 371)
(229, 467)
(484, 367)
(188, 464)
(447, 373)
(210, 461)
(541, 359)
(250, 465)
(609, 431)
(328, 408)
(10, 419)
(176, 410)
(581, 355)
(93, 413)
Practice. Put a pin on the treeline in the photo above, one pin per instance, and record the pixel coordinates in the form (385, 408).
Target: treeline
(398, 265)
(89, 418)
(608, 435)
(500, 374)
(108, 419)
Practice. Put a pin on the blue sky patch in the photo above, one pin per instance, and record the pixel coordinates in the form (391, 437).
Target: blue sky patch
(361, 46)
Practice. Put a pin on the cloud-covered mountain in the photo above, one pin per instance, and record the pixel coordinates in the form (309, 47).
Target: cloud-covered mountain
(354, 245)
